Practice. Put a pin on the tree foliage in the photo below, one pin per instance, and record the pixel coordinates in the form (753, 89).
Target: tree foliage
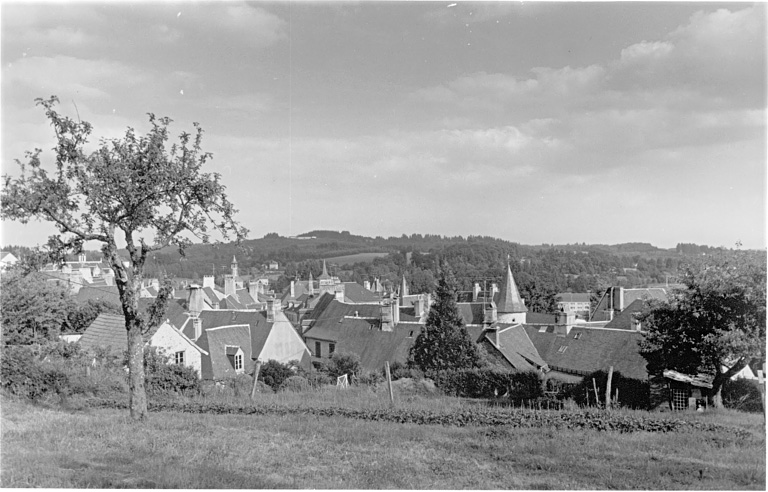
(135, 190)
(33, 308)
(716, 324)
(444, 343)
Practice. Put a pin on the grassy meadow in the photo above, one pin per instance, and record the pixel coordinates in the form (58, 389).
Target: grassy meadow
(55, 446)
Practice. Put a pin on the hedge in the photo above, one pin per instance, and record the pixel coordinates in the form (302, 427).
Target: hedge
(489, 383)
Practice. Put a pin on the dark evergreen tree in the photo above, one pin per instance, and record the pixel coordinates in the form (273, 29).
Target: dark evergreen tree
(444, 343)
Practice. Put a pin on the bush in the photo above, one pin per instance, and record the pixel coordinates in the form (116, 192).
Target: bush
(344, 363)
(742, 394)
(164, 378)
(370, 378)
(296, 384)
(274, 374)
(398, 370)
(633, 393)
(23, 374)
(489, 383)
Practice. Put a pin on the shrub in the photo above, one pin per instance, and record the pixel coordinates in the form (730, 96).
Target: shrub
(274, 374)
(296, 384)
(163, 378)
(344, 363)
(488, 383)
(24, 374)
(370, 378)
(742, 394)
(398, 370)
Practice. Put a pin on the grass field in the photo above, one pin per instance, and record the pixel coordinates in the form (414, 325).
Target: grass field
(80, 447)
(350, 259)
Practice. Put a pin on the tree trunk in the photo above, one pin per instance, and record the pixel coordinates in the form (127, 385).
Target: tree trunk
(715, 396)
(137, 394)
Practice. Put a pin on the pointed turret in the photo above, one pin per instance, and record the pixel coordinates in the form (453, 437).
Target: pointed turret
(403, 288)
(509, 305)
(324, 275)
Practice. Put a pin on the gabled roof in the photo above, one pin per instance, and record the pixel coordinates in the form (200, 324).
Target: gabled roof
(623, 321)
(354, 292)
(516, 346)
(107, 330)
(256, 321)
(585, 350)
(508, 299)
(218, 364)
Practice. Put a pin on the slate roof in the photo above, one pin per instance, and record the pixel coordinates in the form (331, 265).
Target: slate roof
(631, 295)
(107, 293)
(355, 292)
(534, 318)
(590, 349)
(472, 313)
(508, 298)
(374, 346)
(256, 321)
(516, 346)
(107, 330)
(623, 320)
(218, 365)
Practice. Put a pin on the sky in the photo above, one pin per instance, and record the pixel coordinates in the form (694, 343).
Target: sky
(535, 122)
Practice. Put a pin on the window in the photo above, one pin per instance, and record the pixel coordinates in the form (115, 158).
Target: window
(410, 335)
(178, 358)
(317, 350)
(238, 362)
(331, 349)
(562, 349)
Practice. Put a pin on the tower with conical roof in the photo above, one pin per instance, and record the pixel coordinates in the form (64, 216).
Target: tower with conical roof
(325, 282)
(509, 305)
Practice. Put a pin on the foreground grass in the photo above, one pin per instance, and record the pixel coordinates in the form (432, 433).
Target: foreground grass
(49, 447)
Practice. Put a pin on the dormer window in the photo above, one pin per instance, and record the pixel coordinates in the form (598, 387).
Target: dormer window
(235, 356)
(239, 362)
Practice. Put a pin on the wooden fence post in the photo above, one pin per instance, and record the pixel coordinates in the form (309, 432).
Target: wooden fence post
(389, 383)
(761, 382)
(597, 395)
(255, 378)
(608, 388)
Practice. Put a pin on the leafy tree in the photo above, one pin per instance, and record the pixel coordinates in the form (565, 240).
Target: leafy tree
(134, 190)
(716, 324)
(33, 308)
(274, 373)
(444, 343)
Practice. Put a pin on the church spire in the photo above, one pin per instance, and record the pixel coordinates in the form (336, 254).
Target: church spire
(324, 275)
(509, 297)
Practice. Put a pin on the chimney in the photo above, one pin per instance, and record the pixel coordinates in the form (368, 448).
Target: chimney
(195, 302)
(293, 290)
(156, 284)
(490, 315)
(496, 341)
(564, 323)
(494, 289)
(208, 281)
(636, 324)
(197, 323)
(367, 285)
(229, 286)
(338, 292)
(385, 311)
(617, 294)
(253, 290)
(273, 307)
(475, 291)
(395, 310)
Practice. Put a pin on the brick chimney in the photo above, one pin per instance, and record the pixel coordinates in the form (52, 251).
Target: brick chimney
(195, 301)
(385, 311)
(208, 281)
(563, 323)
(395, 310)
(475, 291)
(197, 324)
(229, 286)
(490, 315)
(273, 307)
(293, 290)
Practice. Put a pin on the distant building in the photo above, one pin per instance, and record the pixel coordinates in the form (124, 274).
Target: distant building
(7, 260)
(576, 303)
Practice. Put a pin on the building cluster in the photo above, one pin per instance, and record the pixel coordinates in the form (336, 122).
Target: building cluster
(222, 331)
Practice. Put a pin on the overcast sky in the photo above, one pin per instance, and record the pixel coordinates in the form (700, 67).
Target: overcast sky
(535, 122)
